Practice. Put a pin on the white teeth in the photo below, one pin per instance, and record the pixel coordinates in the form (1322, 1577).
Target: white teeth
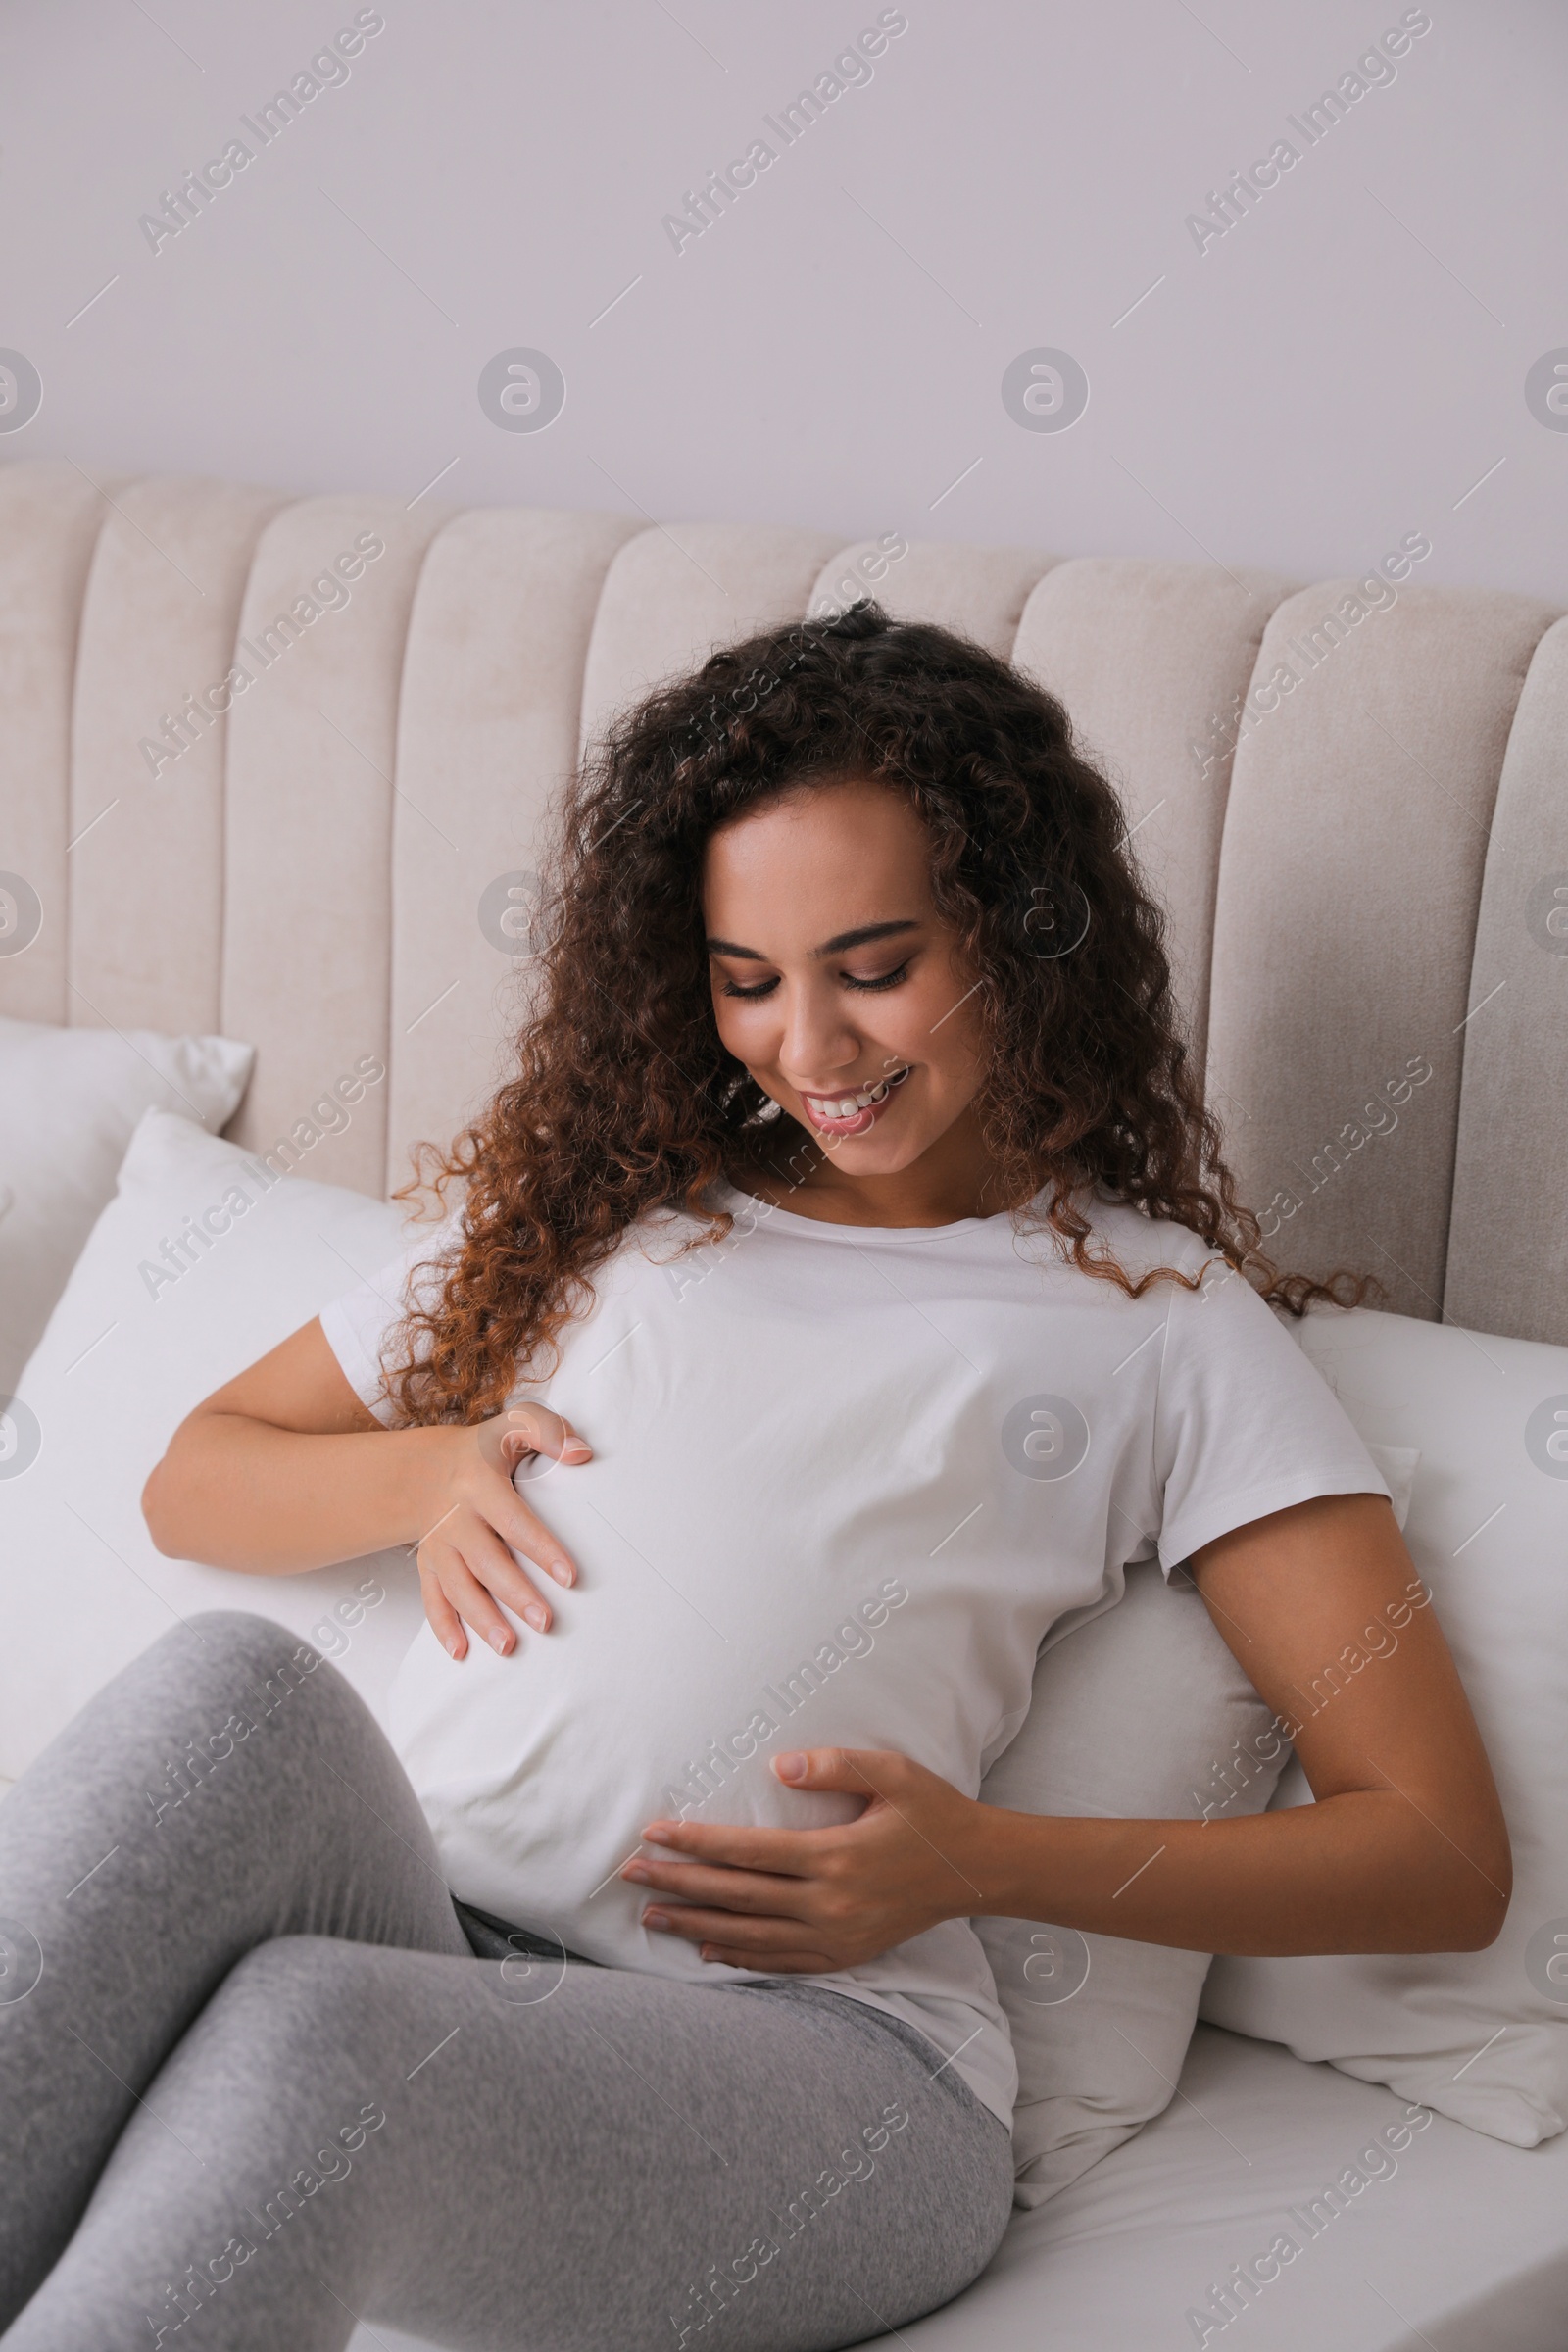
(848, 1106)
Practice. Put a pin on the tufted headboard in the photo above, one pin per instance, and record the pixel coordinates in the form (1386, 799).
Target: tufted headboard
(1352, 799)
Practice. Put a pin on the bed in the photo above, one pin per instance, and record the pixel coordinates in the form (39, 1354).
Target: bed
(1349, 796)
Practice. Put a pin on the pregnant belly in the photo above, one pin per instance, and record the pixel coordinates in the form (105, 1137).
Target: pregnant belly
(538, 1771)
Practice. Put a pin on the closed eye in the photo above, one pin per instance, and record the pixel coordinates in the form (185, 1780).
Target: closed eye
(765, 988)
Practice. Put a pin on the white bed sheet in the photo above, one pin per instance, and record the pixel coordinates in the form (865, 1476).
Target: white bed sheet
(1463, 2249)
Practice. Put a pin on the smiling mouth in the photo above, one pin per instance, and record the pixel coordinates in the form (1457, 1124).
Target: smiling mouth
(857, 1111)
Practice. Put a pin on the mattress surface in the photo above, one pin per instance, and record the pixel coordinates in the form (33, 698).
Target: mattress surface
(1462, 2248)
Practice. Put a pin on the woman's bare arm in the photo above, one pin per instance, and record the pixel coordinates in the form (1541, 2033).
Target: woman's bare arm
(1405, 1849)
(284, 1469)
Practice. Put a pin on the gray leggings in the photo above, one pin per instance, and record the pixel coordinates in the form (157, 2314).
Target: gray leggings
(257, 2085)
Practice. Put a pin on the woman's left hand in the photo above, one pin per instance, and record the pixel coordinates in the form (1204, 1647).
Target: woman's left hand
(809, 1901)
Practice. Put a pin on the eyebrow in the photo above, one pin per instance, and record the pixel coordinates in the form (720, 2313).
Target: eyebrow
(830, 947)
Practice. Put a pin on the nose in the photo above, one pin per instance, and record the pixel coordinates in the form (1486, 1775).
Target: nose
(818, 1040)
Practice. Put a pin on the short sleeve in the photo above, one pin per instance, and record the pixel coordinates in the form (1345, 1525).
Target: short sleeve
(359, 1326)
(1244, 1424)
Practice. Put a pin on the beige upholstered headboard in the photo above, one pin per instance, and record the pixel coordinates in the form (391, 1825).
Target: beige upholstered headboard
(1375, 886)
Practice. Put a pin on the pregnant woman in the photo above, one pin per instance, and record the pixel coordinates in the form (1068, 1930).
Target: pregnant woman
(851, 1194)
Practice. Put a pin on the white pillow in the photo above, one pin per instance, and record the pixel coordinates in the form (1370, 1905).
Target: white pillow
(71, 1099)
(1142, 1712)
(125, 1356)
(1481, 2037)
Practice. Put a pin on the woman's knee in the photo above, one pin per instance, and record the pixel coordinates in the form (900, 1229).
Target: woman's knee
(232, 1672)
(223, 1644)
(169, 1721)
(221, 1655)
(298, 2024)
(297, 2075)
(313, 1988)
(274, 2096)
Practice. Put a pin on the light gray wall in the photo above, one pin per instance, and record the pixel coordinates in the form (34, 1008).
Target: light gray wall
(1336, 371)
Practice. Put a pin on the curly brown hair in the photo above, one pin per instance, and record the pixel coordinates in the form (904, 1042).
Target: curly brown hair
(623, 1101)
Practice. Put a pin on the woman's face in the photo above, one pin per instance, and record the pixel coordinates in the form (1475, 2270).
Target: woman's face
(836, 982)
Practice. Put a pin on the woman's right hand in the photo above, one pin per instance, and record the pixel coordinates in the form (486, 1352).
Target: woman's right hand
(475, 1512)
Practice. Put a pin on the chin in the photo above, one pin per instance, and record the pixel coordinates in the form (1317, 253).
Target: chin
(872, 1154)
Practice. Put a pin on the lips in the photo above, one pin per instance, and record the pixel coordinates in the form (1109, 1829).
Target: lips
(856, 1111)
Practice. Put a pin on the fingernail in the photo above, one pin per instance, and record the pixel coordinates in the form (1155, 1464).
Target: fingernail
(791, 1767)
(576, 1446)
(561, 1571)
(655, 1919)
(533, 1615)
(635, 1870)
(452, 1646)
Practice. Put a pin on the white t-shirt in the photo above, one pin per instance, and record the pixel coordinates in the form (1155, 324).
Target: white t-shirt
(845, 1482)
